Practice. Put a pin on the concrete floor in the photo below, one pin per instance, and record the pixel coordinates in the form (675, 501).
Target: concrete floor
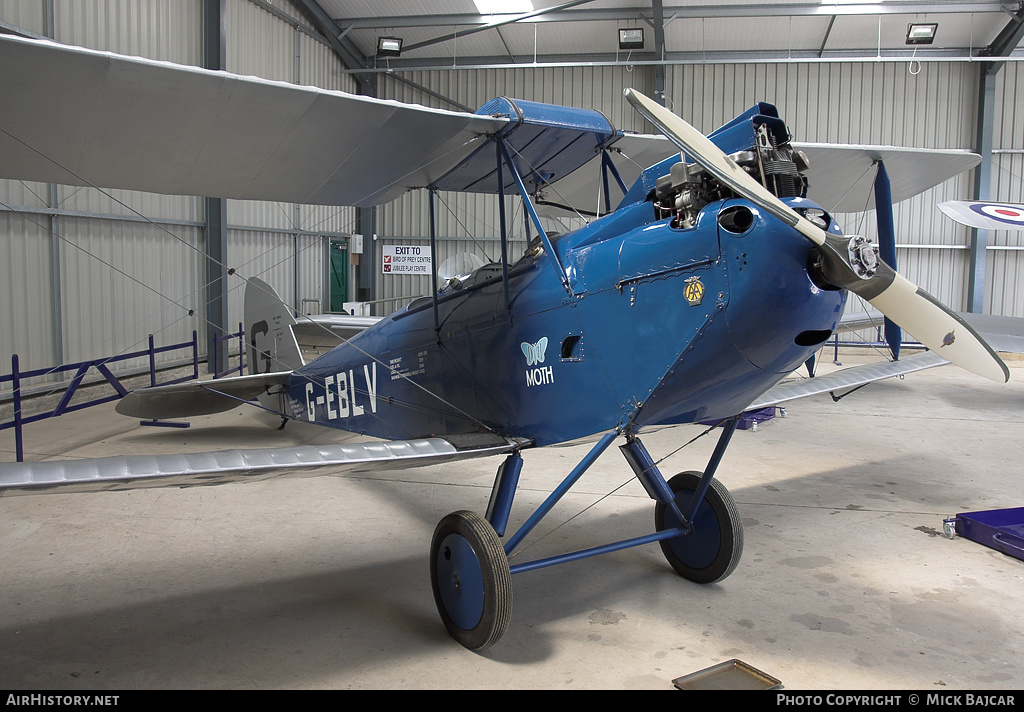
(846, 580)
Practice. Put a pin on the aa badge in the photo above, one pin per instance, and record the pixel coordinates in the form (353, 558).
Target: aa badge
(694, 291)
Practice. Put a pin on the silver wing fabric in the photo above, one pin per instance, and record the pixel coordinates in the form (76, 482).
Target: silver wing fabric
(81, 117)
(840, 178)
(143, 124)
(985, 215)
(212, 468)
(1002, 333)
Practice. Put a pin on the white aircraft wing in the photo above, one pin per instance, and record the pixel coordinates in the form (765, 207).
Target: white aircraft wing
(81, 117)
(985, 215)
(1002, 333)
(583, 190)
(841, 177)
(212, 468)
(847, 378)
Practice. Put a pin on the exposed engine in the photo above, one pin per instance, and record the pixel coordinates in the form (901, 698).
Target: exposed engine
(688, 187)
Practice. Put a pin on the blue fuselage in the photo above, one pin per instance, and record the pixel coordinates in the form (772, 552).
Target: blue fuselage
(663, 325)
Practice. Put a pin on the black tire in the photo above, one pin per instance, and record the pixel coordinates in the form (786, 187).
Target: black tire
(712, 548)
(470, 576)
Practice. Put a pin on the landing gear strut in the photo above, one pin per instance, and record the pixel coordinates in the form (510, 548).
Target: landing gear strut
(696, 521)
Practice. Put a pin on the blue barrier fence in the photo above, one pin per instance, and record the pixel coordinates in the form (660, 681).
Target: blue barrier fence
(240, 335)
(81, 369)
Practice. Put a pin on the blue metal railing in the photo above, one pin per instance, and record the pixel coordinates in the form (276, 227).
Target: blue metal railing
(81, 369)
(240, 335)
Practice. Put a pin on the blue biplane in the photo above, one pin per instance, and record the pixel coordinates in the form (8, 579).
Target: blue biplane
(716, 274)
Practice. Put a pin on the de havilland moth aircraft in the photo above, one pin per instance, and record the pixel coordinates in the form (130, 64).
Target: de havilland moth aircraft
(718, 273)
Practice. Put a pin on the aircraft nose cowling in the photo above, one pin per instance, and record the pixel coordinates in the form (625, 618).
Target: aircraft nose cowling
(777, 315)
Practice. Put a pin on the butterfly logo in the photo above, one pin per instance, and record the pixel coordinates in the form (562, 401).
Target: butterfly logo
(535, 352)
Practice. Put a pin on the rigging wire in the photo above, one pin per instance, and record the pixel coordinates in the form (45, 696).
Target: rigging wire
(232, 271)
(605, 496)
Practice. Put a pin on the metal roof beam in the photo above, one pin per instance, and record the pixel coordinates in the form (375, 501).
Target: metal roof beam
(558, 14)
(494, 24)
(809, 55)
(659, 50)
(349, 54)
(1005, 42)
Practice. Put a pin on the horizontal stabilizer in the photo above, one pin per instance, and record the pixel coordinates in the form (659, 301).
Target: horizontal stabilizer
(192, 398)
(211, 468)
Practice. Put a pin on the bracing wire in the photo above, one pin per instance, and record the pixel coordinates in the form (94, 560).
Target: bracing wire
(233, 271)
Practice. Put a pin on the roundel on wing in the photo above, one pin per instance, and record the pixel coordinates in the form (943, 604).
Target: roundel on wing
(1010, 214)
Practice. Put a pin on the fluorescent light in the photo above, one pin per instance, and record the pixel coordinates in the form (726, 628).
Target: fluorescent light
(921, 34)
(503, 7)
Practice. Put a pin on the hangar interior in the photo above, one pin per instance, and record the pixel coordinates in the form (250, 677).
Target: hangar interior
(848, 582)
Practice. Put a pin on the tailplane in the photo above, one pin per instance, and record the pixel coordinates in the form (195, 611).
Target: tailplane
(268, 327)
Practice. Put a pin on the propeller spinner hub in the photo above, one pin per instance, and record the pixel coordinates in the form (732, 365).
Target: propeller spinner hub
(863, 257)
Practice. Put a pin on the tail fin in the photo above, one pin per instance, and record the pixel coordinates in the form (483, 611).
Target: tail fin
(268, 324)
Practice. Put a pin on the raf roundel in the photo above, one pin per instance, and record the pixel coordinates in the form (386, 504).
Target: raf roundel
(1009, 214)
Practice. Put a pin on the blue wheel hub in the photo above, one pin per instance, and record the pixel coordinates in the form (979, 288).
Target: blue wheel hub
(460, 581)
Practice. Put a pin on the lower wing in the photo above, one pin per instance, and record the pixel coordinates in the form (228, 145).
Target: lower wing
(212, 468)
(1002, 333)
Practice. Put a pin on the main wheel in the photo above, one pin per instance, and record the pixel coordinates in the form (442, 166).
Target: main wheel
(711, 548)
(470, 576)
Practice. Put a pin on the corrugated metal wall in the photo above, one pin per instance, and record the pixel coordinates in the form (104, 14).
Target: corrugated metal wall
(122, 276)
(1005, 268)
(861, 102)
(867, 103)
(470, 223)
(110, 261)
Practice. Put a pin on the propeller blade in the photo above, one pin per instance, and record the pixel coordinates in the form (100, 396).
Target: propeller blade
(849, 262)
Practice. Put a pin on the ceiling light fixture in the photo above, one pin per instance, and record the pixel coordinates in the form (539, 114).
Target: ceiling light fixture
(389, 46)
(918, 34)
(631, 38)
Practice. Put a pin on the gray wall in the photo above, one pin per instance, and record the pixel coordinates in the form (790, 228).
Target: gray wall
(854, 102)
(99, 278)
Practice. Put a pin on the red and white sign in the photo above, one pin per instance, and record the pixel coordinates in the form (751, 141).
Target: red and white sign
(405, 259)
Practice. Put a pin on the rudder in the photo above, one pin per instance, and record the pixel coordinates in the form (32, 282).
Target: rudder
(268, 323)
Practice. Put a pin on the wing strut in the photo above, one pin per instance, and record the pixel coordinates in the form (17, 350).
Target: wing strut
(608, 167)
(548, 249)
(887, 246)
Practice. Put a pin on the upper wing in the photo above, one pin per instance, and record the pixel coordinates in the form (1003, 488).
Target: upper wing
(210, 468)
(986, 216)
(840, 177)
(82, 117)
(583, 190)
